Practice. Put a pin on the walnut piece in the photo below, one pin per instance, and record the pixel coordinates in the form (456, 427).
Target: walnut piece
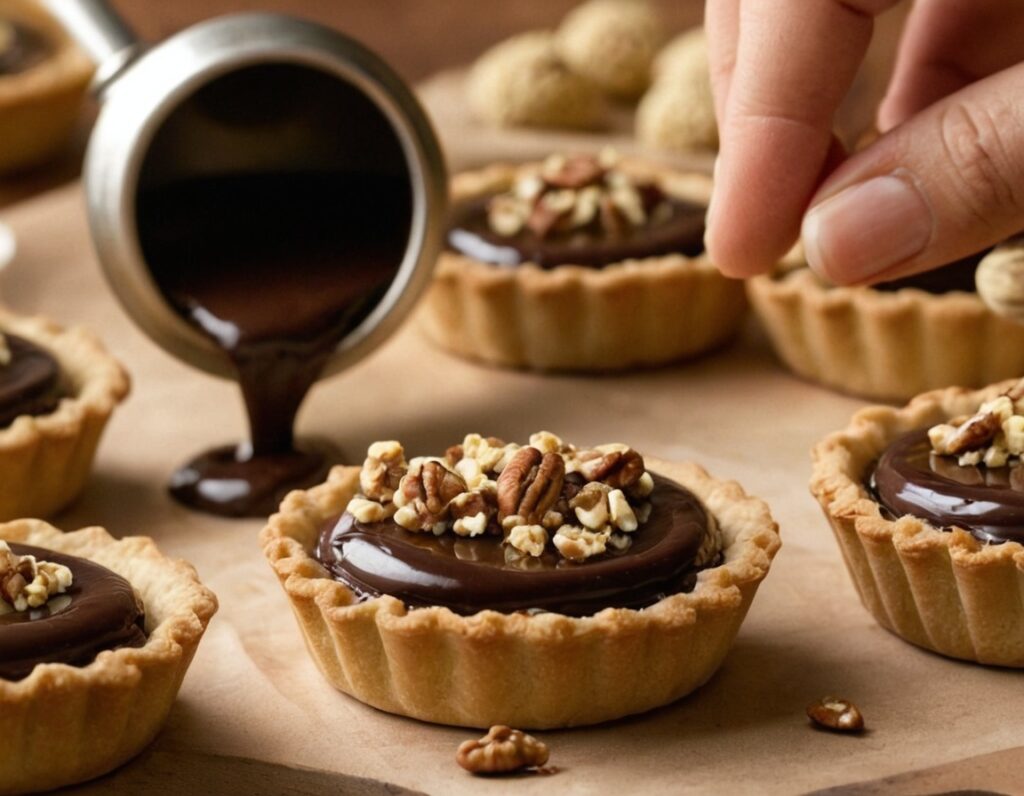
(991, 436)
(383, 470)
(424, 494)
(999, 280)
(27, 583)
(839, 715)
(502, 751)
(529, 485)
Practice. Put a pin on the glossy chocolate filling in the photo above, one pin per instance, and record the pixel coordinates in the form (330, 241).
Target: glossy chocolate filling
(682, 232)
(29, 383)
(470, 575)
(910, 479)
(99, 612)
(21, 48)
(958, 275)
(224, 251)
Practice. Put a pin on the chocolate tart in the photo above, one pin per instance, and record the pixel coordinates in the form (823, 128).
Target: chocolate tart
(45, 458)
(43, 80)
(65, 724)
(886, 344)
(942, 588)
(530, 668)
(640, 310)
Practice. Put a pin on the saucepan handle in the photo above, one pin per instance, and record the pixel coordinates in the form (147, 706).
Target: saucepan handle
(101, 32)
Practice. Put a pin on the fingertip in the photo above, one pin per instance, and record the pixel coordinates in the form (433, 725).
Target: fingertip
(732, 258)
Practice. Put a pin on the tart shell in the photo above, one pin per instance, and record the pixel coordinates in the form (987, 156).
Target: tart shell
(45, 460)
(65, 724)
(633, 313)
(885, 346)
(39, 107)
(942, 590)
(538, 671)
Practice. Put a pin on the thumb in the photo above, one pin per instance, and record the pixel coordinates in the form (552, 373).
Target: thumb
(946, 183)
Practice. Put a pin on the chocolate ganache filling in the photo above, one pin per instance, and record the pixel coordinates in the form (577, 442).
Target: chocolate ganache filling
(680, 231)
(473, 574)
(29, 382)
(957, 275)
(100, 611)
(577, 210)
(910, 478)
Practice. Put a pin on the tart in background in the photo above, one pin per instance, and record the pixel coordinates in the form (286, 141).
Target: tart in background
(43, 80)
(46, 452)
(928, 577)
(64, 724)
(636, 305)
(888, 342)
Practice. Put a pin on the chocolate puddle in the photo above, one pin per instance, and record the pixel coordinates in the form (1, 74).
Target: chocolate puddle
(988, 502)
(275, 269)
(682, 232)
(99, 612)
(470, 575)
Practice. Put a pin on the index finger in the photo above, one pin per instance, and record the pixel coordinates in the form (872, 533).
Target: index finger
(795, 62)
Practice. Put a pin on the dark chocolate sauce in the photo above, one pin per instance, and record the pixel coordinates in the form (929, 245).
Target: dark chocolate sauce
(29, 383)
(99, 612)
(470, 575)
(24, 49)
(682, 232)
(989, 502)
(276, 270)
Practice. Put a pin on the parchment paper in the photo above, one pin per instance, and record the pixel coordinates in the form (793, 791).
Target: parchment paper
(252, 691)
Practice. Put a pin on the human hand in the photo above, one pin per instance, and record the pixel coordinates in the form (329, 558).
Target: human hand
(945, 180)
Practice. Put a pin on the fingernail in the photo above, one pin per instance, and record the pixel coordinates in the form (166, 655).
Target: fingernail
(867, 228)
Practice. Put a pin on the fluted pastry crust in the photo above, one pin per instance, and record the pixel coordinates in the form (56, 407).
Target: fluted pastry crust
(537, 671)
(634, 313)
(942, 590)
(45, 460)
(66, 724)
(882, 345)
(39, 107)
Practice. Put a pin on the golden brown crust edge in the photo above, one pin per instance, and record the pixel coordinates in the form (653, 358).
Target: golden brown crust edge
(537, 671)
(945, 591)
(45, 461)
(39, 107)
(65, 724)
(634, 313)
(886, 346)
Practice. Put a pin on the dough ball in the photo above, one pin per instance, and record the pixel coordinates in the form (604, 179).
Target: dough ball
(613, 44)
(523, 82)
(678, 113)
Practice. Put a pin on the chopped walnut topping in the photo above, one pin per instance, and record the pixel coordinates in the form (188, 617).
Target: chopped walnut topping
(383, 470)
(991, 436)
(502, 751)
(27, 583)
(548, 494)
(529, 539)
(5, 350)
(574, 193)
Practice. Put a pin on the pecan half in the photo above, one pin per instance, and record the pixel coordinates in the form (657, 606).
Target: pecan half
(618, 469)
(977, 432)
(501, 751)
(833, 713)
(530, 485)
(576, 172)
